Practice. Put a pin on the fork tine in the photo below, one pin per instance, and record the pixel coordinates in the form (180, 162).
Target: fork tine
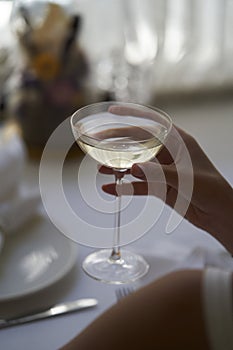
(123, 292)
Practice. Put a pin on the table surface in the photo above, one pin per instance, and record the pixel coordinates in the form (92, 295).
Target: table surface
(211, 122)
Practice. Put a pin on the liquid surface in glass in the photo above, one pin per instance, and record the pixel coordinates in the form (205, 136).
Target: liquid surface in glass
(120, 145)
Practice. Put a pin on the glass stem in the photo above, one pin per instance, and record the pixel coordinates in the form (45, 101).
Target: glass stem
(116, 254)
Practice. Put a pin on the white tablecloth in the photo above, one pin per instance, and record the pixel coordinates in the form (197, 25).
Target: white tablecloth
(212, 124)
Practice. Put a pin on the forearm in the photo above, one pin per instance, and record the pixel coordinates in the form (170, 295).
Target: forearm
(167, 314)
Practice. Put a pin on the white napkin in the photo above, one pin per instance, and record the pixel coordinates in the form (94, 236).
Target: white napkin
(16, 206)
(17, 211)
(12, 161)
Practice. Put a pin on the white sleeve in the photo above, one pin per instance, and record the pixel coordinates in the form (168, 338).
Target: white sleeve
(218, 308)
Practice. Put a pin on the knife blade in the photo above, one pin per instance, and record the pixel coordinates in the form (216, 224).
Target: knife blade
(59, 309)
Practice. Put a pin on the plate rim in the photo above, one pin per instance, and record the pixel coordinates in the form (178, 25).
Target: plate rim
(70, 262)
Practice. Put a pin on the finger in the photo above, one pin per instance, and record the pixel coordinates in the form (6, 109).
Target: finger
(142, 189)
(104, 169)
(155, 172)
(138, 188)
(164, 156)
(145, 112)
(110, 189)
(127, 189)
(167, 194)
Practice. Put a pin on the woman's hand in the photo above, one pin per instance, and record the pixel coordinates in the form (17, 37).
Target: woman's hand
(190, 177)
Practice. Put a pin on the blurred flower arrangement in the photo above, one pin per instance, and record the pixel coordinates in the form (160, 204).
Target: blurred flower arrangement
(52, 77)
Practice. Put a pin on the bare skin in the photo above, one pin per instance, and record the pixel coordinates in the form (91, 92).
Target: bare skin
(166, 314)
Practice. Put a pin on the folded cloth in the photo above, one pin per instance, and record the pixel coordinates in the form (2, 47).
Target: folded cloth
(12, 160)
(16, 207)
(17, 211)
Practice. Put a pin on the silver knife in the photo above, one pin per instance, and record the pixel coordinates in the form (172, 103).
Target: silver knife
(56, 310)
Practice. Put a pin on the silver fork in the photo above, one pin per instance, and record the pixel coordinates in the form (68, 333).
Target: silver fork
(123, 292)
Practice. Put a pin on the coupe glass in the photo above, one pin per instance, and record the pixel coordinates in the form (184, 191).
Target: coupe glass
(117, 135)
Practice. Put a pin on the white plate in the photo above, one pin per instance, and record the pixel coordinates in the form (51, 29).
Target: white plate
(33, 259)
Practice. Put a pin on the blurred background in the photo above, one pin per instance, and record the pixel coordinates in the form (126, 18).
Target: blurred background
(56, 56)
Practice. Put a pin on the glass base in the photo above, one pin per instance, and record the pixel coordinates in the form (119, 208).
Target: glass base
(100, 266)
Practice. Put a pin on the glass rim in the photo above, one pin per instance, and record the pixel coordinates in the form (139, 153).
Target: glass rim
(129, 104)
